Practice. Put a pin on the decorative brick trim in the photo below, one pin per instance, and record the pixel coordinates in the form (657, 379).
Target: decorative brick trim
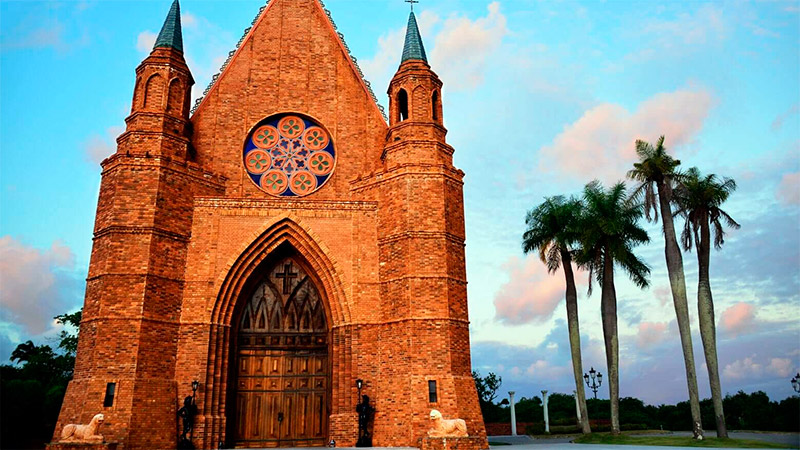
(120, 229)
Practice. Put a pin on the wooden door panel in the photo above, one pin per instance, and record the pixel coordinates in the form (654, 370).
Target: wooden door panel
(282, 363)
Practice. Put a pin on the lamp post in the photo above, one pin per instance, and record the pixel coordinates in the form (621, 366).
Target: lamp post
(195, 385)
(796, 382)
(597, 380)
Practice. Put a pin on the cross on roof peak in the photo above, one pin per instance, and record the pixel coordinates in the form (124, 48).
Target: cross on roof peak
(411, 2)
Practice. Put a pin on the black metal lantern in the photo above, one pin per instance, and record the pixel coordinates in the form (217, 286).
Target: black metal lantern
(796, 382)
(195, 385)
(597, 380)
(359, 383)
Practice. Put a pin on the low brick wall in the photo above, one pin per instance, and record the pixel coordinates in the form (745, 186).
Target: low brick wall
(81, 446)
(504, 429)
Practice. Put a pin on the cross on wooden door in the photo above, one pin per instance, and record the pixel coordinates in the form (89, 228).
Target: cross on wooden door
(287, 276)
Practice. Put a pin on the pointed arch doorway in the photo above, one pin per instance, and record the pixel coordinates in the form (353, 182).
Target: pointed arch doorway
(282, 360)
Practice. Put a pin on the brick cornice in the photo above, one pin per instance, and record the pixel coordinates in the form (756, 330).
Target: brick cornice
(423, 170)
(135, 275)
(241, 203)
(423, 277)
(367, 323)
(421, 235)
(185, 168)
(120, 229)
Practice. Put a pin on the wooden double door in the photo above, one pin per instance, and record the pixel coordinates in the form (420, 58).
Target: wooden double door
(283, 375)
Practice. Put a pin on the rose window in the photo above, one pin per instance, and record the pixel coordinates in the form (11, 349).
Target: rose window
(289, 155)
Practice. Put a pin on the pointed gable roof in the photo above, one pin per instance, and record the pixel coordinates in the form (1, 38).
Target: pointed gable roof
(413, 48)
(170, 35)
(248, 32)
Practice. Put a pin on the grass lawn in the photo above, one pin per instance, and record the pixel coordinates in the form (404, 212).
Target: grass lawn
(674, 441)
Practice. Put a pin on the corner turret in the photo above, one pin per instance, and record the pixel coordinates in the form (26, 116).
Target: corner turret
(160, 109)
(416, 131)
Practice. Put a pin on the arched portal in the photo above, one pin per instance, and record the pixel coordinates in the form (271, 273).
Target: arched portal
(282, 366)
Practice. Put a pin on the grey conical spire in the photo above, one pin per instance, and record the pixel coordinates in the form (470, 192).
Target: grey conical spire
(413, 48)
(170, 35)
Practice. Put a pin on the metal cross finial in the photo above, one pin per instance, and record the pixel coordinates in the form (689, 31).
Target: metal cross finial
(412, 3)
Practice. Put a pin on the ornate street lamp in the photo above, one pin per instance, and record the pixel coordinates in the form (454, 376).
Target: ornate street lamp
(195, 385)
(796, 382)
(597, 380)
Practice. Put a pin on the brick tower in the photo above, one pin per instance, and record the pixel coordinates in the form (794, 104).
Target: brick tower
(128, 333)
(421, 243)
(275, 246)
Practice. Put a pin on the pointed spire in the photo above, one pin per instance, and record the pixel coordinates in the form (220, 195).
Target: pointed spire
(413, 48)
(170, 35)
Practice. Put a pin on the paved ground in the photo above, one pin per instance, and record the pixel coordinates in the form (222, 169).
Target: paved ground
(556, 443)
(778, 438)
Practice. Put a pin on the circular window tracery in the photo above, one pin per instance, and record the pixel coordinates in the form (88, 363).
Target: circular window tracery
(289, 155)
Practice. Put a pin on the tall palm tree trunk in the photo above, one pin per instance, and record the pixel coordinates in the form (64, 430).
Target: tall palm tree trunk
(705, 310)
(608, 309)
(575, 339)
(677, 283)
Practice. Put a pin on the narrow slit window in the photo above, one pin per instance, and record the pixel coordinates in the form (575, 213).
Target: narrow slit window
(402, 105)
(111, 389)
(435, 106)
(432, 398)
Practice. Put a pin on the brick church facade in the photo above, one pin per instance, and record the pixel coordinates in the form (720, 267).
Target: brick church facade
(275, 244)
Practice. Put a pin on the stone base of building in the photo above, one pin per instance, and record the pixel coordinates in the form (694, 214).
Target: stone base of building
(81, 446)
(453, 443)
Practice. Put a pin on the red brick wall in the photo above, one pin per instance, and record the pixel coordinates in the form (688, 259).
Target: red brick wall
(181, 230)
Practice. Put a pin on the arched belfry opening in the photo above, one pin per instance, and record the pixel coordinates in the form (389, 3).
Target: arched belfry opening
(282, 357)
(402, 105)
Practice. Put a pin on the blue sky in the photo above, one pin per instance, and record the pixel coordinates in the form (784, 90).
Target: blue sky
(540, 97)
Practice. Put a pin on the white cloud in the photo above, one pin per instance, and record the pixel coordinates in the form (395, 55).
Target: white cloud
(462, 48)
(384, 63)
(97, 147)
(543, 370)
(651, 333)
(737, 319)
(459, 52)
(601, 143)
(705, 25)
(531, 293)
(781, 367)
(145, 41)
(793, 110)
(789, 189)
(743, 368)
(36, 284)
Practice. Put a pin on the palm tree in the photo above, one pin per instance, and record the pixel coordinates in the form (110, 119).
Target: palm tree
(699, 200)
(609, 231)
(553, 232)
(656, 172)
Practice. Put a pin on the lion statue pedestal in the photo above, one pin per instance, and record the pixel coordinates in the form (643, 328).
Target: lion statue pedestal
(450, 434)
(82, 437)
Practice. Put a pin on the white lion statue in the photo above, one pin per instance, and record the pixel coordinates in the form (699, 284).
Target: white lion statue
(83, 433)
(446, 428)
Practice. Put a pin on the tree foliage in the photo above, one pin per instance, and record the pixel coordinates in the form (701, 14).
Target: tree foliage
(743, 411)
(34, 387)
(487, 386)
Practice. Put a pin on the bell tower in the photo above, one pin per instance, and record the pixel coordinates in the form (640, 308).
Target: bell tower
(423, 271)
(125, 364)
(416, 132)
(159, 120)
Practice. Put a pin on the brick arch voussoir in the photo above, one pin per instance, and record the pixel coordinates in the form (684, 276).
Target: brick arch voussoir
(285, 229)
